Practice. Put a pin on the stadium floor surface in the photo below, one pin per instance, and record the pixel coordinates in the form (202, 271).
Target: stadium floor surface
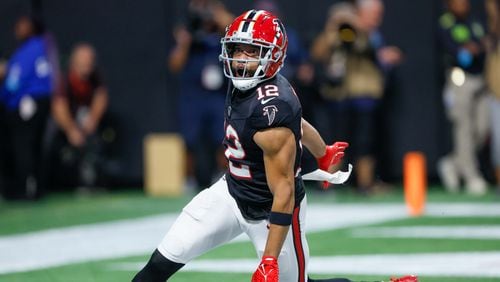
(109, 237)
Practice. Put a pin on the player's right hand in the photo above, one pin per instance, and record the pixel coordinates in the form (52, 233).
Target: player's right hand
(267, 271)
(334, 153)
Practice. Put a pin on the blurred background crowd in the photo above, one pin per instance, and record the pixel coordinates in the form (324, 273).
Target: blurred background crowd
(82, 83)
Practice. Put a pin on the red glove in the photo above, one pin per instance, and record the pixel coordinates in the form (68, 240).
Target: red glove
(267, 271)
(407, 278)
(334, 153)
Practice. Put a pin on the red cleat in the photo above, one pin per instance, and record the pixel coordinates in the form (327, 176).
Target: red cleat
(407, 278)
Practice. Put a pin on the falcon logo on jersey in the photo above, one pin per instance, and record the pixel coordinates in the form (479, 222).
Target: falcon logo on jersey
(270, 112)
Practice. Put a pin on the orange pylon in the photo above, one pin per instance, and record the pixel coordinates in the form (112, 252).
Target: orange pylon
(415, 182)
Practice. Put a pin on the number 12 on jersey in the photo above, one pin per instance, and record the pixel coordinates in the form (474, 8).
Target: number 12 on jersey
(269, 90)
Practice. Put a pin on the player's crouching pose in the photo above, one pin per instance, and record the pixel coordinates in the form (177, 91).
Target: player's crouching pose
(262, 194)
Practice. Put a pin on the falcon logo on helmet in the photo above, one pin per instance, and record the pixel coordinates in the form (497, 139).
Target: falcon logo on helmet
(260, 29)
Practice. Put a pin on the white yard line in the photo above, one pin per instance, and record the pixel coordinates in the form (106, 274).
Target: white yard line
(463, 209)
(61, 246)
(476, 264)
(481, 232)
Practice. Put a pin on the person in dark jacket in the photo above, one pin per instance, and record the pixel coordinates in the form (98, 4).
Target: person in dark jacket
(25, 97)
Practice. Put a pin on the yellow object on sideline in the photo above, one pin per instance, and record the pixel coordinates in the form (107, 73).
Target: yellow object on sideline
(164, 163)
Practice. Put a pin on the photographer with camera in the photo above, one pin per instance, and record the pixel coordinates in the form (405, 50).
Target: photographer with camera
(201, 87)
(354, 60)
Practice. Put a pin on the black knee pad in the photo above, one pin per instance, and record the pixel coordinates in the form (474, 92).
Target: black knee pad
(158, 269)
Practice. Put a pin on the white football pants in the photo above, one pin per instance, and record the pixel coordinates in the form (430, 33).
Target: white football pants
(212, 218)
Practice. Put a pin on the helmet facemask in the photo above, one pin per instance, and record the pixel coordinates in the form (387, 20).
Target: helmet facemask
(265, 32)
(242, 76)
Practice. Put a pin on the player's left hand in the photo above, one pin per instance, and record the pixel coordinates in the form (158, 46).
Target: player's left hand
(267, 271)
(334, 153)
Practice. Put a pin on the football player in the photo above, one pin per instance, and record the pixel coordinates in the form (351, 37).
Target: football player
(262, 194)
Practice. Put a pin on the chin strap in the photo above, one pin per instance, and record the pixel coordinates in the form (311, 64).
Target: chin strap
(245, 84)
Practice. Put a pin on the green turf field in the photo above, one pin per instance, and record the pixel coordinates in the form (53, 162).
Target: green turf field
(57, 213)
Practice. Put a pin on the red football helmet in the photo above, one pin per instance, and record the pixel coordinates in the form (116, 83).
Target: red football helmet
(261, 29)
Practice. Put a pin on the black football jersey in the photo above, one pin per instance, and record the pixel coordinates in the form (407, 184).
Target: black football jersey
(272, 103)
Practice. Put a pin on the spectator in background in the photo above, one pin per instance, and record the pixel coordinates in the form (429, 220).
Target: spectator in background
(354, 58)
(78, 112)
(492, 72)
(465, 98)
(202, 86)
(3, 131)
(3, 147)
(25, 96)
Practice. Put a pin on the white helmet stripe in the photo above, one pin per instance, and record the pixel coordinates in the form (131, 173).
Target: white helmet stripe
(240, 27)
(252, 23)
(249, 20)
